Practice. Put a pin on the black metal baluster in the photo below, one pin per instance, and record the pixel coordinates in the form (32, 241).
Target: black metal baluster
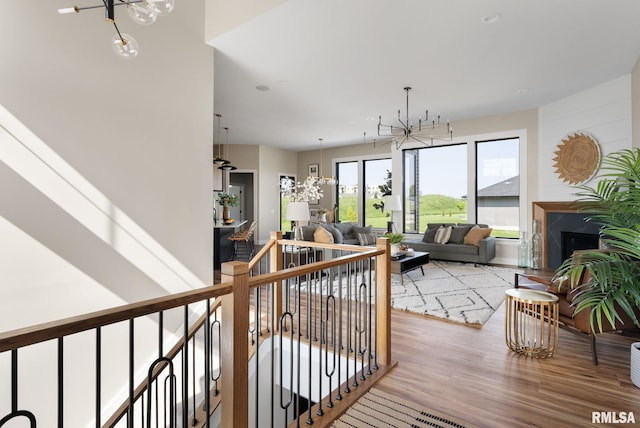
(194, 420)
(339, 344)
(369, 306)
(185, 369)
(60, 382)
(15, 413)
(131, 369)
(285, 406)
(348, 348)
(216, 325)
(256, 316)
(98, 376)
(207, 365)
(330, 373)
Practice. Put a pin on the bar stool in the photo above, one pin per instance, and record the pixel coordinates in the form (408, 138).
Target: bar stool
(246, 236)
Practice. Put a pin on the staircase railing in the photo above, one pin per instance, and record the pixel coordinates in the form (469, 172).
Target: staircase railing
(313, 319)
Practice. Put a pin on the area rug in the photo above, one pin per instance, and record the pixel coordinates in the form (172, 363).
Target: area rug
(379, 409)
(455, 292)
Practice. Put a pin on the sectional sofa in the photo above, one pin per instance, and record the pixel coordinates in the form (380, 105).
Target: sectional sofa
(469, 243)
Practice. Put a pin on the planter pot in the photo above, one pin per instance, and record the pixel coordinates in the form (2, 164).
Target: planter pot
(395, 249)
(635, 363)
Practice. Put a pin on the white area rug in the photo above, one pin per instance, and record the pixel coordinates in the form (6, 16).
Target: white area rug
(456, 292)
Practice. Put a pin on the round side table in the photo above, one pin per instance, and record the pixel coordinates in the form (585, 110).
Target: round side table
(531, 322)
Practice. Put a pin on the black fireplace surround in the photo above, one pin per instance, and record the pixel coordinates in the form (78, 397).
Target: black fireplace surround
(579, 234)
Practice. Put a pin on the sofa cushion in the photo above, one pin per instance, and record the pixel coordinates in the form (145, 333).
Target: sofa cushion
(335, 232)
(442, 235)
(308, 231)
(475, 234)
(346, 229)
(323, 236)
(358, 229)
(367, 238)
(351, 241)
(458, 233)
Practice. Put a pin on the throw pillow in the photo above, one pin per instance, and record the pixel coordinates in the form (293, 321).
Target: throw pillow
(442, 235)
(476, 233)
(337, 235)
(458, 233)
(323, 236)
(358, 229)
(367, 238)
(430, 235)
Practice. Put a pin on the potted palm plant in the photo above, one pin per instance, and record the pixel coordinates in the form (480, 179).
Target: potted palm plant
(614, 287)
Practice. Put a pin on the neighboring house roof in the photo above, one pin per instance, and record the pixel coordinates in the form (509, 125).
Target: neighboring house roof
(504, 189)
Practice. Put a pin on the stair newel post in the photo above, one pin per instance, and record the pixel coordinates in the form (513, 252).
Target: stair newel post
(383, 302)
(235, 346)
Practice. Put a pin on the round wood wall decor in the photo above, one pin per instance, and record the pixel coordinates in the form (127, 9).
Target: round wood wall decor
(577, 158)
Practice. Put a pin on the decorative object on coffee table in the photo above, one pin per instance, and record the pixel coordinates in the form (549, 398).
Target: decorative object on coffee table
(577, 158)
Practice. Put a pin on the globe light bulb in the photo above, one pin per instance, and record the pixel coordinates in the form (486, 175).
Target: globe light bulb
(142, 13)
(126, 47)
(162, 7)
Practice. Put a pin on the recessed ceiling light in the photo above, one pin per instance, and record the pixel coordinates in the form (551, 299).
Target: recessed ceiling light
(283, 82)
(262, 88)
(522, 91)
(490, 19)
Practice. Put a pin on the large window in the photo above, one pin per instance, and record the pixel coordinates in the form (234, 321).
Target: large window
(348, 189)
(285, 225)
(361, 186)
(460, 183)
(377, 183)
(435, 186)
(498, 186)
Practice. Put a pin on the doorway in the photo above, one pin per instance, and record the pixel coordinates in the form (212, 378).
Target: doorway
(241, 184)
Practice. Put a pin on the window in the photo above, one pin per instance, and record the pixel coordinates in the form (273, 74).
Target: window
(435, 186)
(377, 183)
(361, 185)
(285, 225)
(347, 188)
(498, 186)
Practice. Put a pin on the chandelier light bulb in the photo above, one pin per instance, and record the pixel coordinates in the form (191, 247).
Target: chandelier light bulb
(126, 47)
(142, 13)
(162, 7)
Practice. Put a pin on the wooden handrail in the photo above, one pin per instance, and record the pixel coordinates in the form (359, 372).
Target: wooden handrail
(293, 272)
(26, 336)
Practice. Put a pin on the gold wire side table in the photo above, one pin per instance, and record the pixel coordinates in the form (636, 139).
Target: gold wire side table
(531, 322)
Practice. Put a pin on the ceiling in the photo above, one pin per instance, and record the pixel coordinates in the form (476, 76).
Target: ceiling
(332, 67)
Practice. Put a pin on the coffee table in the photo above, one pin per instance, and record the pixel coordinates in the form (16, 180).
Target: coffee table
(409, 263)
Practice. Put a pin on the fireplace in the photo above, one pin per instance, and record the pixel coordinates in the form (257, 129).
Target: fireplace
(554, 218)
(572, 241)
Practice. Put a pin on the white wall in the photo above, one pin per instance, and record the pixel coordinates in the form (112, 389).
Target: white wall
(273, 162)
(135, 133)
(107, 199)
(604, 112)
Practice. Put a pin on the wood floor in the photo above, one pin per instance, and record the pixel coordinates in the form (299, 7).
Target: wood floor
(470, 373)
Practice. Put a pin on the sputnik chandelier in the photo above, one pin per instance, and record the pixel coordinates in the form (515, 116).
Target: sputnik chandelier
(143, 12)
(425, 132)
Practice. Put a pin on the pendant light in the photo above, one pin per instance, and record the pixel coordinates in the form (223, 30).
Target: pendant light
(218, 160)
(227, 166)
